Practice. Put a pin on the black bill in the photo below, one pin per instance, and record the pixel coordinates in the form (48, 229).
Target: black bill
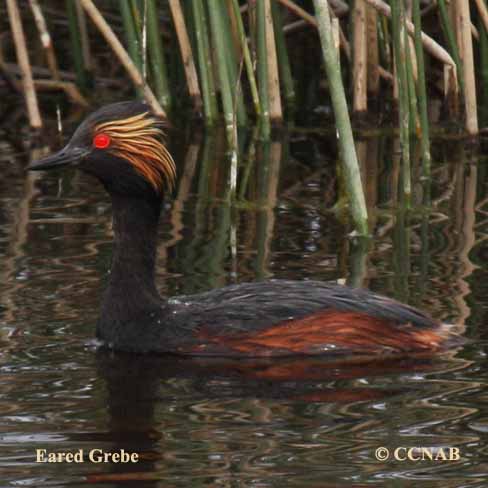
(67, 156)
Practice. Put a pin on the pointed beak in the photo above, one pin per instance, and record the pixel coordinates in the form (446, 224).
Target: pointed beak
(66, 156)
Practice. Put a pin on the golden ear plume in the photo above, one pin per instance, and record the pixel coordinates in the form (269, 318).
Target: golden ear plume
(141, 141)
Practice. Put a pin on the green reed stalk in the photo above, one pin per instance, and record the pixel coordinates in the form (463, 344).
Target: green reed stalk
(262, 62)
(233, 66)
(82, 77)
(139, 9)
(283, 59)
(158, 62)
(247, 57)
(219, 44)
(346, 141)
(451, 41)
(483, 70)
(136, 6)
(422, 90)
(131, 33)
(358, 261)
(398, 30)
(205, 65)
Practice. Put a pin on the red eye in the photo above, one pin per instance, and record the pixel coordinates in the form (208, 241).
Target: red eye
(101, 141)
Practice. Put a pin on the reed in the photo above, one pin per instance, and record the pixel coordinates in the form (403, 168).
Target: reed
(358, 259)
(234, 62)
(223, 72)
(262, 62)
(24, 64)
(129, 22)
(122, 55)
(45, 38)
(346, 140)
(205, 65)
(385, 43)
(451, 40)
(467, 57)
(286, 76)
(275, 108)
(360, 58)
(158, 62)
(373, 68)
(268, 168)
(422, 91)
(412, 95)
(247, 57)
(186, 53)
(398, 30)
(85, 41)
(484, 71)
(82, 79)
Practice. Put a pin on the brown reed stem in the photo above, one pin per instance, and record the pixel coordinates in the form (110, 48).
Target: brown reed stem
(466, 42)
(24, 64)
(275, 109)
(186, 53)
(373, 51)
(45, 38)
(360, 57)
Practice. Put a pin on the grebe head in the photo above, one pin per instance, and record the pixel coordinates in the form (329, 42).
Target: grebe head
(123, 145)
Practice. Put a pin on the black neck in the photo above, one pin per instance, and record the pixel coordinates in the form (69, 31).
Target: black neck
(131, 290)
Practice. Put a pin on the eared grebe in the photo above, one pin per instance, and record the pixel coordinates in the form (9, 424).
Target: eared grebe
(123, 146)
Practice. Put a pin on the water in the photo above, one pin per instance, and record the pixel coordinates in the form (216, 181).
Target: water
(304, 423)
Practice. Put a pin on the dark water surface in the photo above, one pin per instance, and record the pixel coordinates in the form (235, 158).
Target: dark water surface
(303, 423)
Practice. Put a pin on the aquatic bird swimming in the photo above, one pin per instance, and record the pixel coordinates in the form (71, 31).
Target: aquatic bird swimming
(123, 145)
